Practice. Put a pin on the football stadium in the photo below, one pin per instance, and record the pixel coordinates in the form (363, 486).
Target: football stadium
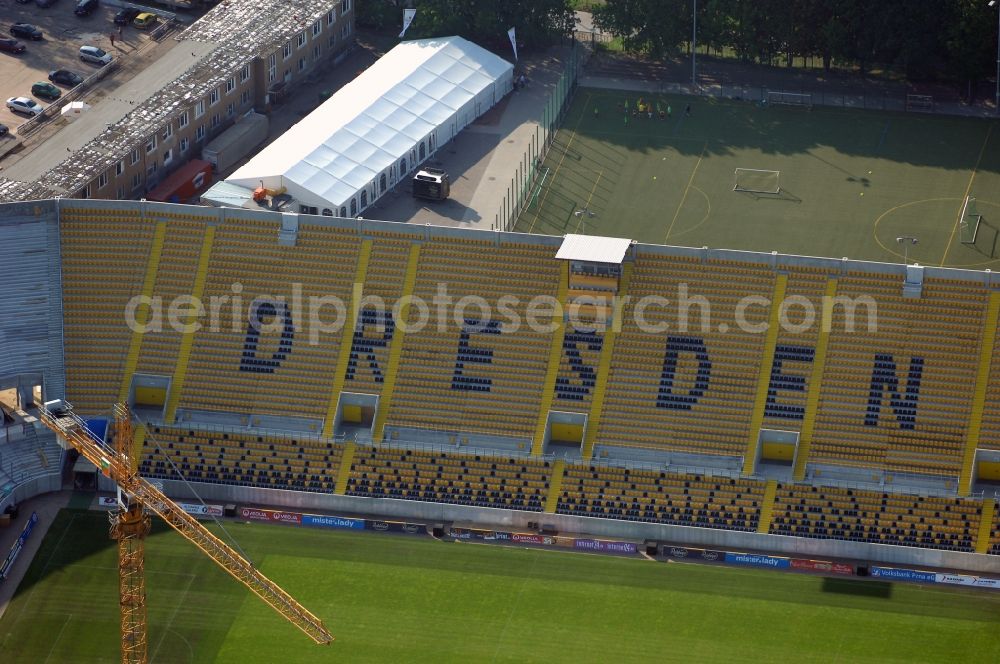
(725, 388)
(671, 399)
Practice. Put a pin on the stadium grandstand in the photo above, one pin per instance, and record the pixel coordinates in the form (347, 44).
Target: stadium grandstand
(597, 384)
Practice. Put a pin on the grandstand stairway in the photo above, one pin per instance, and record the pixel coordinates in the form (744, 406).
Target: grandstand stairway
(555, 486)
(552, 371)
(604, 367)
(815, 383)
(142, 313)
(184, 353)
(979, 395)
(347, 334)
(396, 352)
(985, 525)
(764, 378)
(344, 473)
(767, 507)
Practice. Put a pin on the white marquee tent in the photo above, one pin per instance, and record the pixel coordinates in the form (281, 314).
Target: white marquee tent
(355, 147)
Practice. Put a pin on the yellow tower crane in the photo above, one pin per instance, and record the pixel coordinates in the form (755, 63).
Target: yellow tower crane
(130, 525)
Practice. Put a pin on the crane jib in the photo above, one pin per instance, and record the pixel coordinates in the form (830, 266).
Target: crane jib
(115, 463)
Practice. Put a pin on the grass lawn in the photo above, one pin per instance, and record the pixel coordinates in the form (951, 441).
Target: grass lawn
(851, 180)
(410, 599)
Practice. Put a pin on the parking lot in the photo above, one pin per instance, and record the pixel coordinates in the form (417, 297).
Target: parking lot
(63, 35)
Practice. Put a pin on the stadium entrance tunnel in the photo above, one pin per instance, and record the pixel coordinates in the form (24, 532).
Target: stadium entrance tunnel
(775, 447)
(986, 467)
(564, 432)
(355, 415)
(148, 393)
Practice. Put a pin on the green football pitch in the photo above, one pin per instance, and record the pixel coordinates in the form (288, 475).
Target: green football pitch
(851, 181)
(410, 599)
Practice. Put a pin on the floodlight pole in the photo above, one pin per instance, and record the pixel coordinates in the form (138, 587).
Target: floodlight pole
(694, 41)
(907, 242)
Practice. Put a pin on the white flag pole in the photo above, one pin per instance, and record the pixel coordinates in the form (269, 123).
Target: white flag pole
(513, 42)
(408, 15)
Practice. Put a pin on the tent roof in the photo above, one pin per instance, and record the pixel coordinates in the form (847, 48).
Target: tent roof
(376, 119)
(593, 249)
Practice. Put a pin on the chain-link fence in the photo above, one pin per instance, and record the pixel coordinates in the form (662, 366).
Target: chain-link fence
(528, 174)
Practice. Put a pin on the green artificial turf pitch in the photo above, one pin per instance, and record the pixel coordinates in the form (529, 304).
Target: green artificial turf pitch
(413, 599)
(670, 181)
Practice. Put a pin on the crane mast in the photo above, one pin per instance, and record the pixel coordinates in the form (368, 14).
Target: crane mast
(131, 524)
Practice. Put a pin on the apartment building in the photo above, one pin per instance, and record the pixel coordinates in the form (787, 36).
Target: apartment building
(229, 62)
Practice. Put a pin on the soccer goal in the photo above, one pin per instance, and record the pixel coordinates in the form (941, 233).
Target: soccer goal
(543, 175)
(802, 99)
(969, 222)
(920, 103)
(757, 181)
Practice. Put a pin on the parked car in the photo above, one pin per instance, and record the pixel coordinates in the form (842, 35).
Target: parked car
(65, 77)
(144, 20)
(24, 105)
(94, 55)
(26, 31)
(45, 4)
(3, 130)
(126, 16)
(11, 45)
(46, 90)
(85, 7)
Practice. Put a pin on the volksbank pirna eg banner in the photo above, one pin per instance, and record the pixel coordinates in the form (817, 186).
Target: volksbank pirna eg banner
(900, 574)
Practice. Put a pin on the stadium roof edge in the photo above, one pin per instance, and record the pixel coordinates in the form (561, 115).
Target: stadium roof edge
(19, 212)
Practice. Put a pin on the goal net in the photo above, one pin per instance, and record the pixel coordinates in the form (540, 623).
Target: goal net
(790, 98)
(919, 103)
(543, 175)
(757, 181)
(968, 224)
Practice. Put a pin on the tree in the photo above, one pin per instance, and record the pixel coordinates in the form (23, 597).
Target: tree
(922, 38)
(378, 14)
(917, 40)
(655, 27)
(536, 22)
(970, 44)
